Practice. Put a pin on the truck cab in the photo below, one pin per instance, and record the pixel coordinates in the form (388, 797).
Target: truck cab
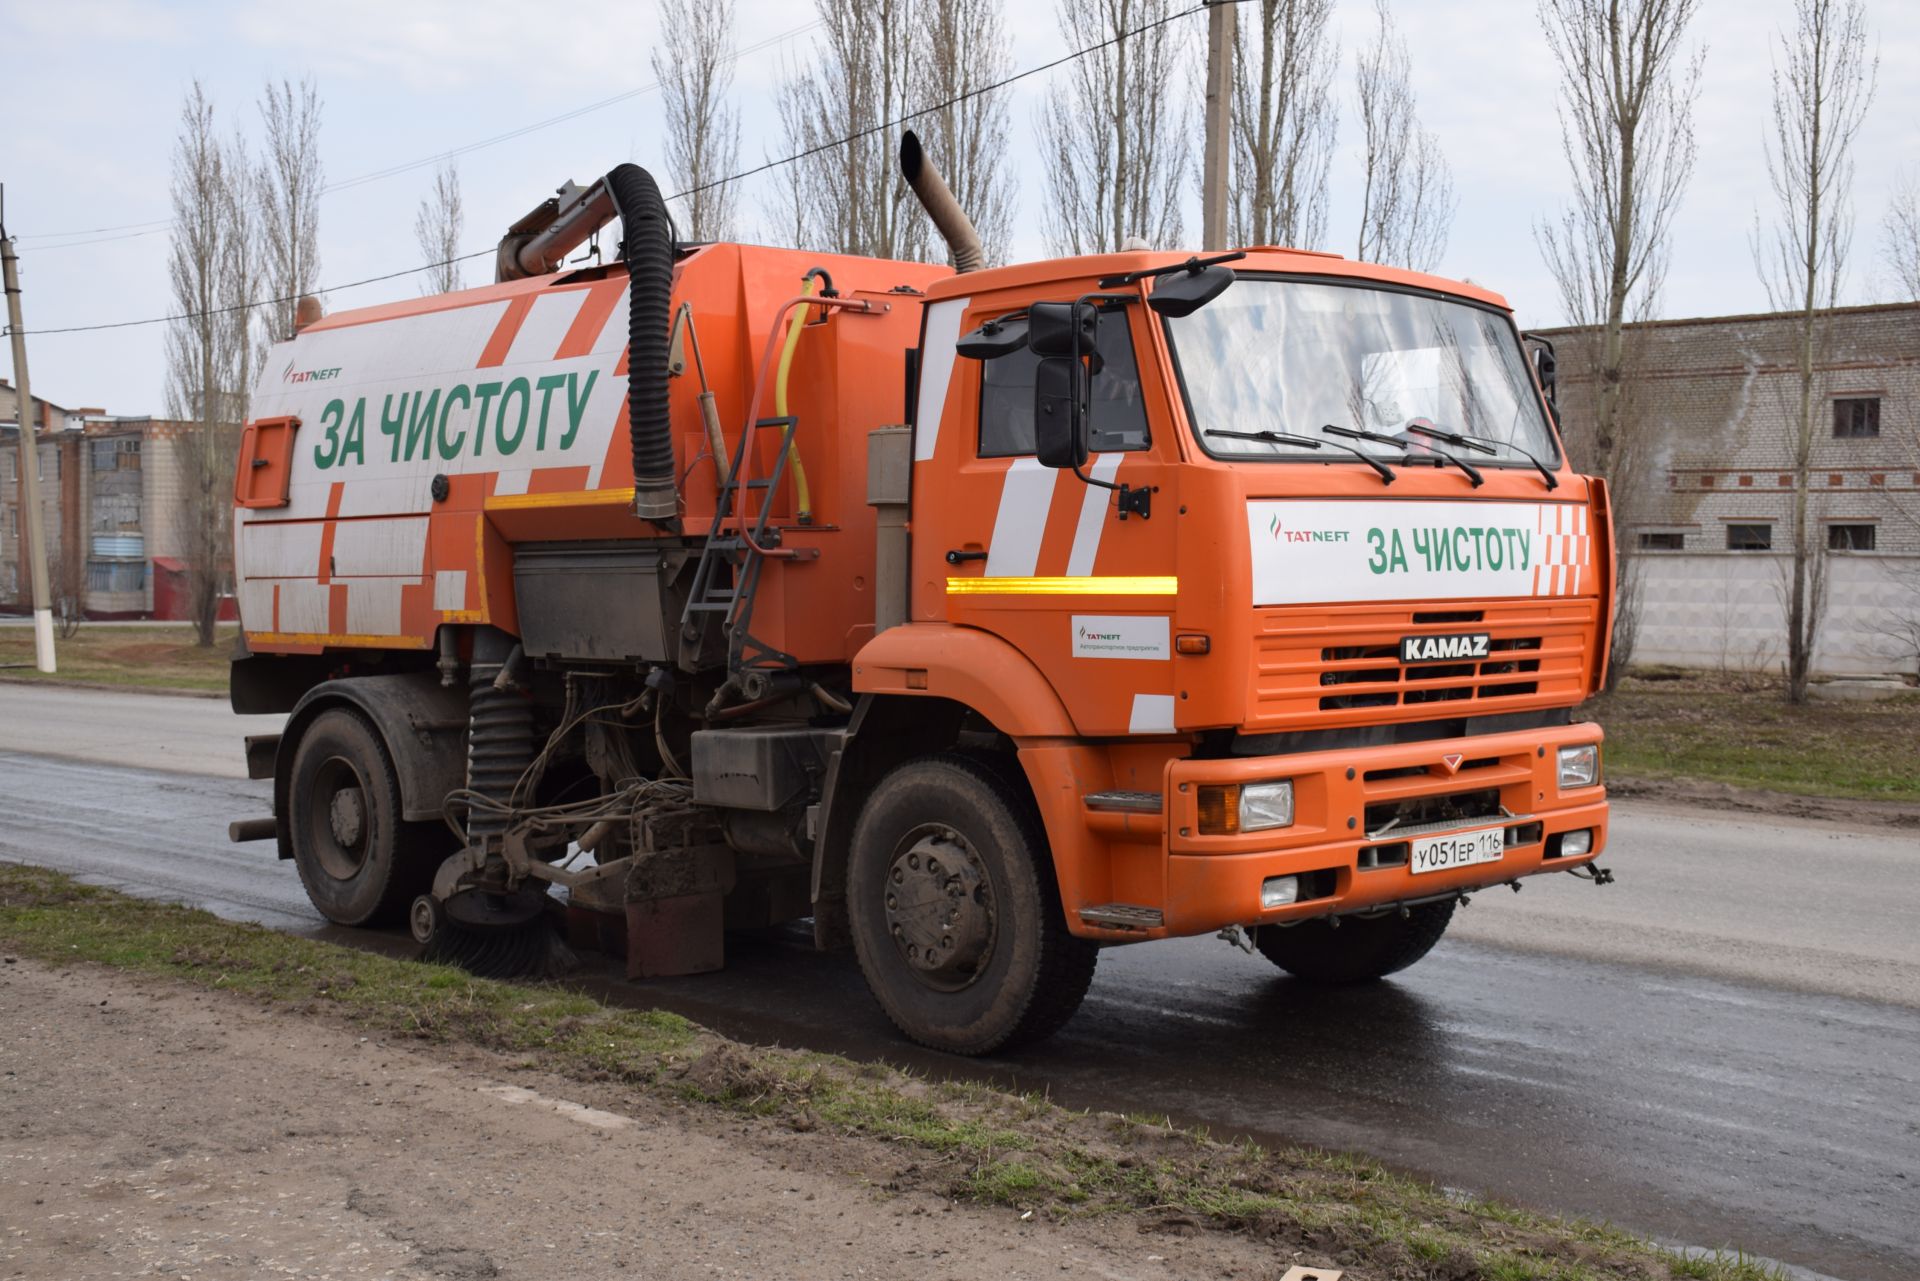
(1289, 625)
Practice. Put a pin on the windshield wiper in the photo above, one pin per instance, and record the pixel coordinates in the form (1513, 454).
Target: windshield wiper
(1473, 473)
(1305, 442)
(1486, 445)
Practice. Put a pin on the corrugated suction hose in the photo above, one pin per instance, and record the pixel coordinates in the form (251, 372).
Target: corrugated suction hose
(646, 235)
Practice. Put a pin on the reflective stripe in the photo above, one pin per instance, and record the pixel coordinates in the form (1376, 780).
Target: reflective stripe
(1075, 585)
(1093, 515)
(1026, 496)
(1152, 714)
(937, 358)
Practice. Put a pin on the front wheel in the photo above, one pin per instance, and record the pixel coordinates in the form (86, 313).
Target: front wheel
(1358, 949)
(955, 914)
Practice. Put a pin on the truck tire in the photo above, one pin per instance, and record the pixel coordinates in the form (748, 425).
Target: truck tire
(1360, 950)
(955, 915)
(352, 850)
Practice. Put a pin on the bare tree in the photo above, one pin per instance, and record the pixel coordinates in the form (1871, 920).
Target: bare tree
(694, 65)
(287, 187)
(1823, 79)
(1628, 86)
(1901, 231)
(436, 229)
(960, 47)
(1113, 130)
(210, 352)
(1284, 122)
(1406, 194)
(848, 196)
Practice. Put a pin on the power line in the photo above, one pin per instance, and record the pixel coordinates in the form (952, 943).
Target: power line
(262, 302)
(855, 136)
(134, 230)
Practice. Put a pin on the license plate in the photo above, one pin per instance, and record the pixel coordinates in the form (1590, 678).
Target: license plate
(1457, 849)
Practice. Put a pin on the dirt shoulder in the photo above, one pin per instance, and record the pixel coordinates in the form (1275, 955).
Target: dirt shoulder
(161, 658)
(191, 1095)
(157, 1129)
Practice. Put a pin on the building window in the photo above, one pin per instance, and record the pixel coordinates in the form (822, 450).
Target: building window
(116, 575)
(1749, 538)
(117, 453)
(1856, 417)
(1663, 542)
(1850, 538)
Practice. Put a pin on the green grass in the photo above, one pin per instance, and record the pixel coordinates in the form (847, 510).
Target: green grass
(980, 1144)
(161, 657)
(1699, 727)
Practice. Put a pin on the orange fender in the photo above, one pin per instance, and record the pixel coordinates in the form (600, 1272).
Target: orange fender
(971, 667)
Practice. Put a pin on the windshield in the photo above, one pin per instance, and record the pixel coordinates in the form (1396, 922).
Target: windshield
(1292, 356)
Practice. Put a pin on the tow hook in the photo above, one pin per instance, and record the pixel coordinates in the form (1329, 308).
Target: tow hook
(1238, 936)
(1592, 872)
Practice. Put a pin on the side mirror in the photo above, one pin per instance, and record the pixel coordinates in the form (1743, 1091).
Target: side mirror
(1548, 368)
(1062, 328)
(994, 339)
(1181, 293)
(1060, 412)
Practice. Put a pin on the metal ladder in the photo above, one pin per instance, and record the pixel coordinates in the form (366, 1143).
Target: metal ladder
(728, 577)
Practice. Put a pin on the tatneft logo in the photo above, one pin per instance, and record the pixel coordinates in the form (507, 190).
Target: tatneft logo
(1088, 634)
(1282, 534)
(292, 375)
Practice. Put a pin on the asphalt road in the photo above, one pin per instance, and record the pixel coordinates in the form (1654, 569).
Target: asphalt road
(1718, 1050)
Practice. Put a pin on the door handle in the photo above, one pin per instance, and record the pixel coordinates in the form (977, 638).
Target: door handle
(961, 558)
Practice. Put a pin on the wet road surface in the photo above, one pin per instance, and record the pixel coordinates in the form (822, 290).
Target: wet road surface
(1660, 1095)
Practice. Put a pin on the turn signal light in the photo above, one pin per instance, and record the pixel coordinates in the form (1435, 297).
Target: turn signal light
(1220, 810)
(1192, 643)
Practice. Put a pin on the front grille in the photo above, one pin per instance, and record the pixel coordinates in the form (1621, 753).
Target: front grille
(1316, 665)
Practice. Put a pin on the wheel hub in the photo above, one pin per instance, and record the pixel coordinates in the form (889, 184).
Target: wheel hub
(939, 908)
(346, 815)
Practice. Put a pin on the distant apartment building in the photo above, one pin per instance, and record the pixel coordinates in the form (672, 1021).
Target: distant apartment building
(111, 500)
(1713, 521)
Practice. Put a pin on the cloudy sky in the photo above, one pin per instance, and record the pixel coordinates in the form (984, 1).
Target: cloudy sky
(86, 133)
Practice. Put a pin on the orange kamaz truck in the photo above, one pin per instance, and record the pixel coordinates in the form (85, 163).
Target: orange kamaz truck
(986, 617)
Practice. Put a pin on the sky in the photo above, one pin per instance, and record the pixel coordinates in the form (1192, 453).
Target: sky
(89, 110)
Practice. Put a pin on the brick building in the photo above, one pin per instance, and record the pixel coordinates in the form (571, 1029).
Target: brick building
(111, 500)
(1711, 512)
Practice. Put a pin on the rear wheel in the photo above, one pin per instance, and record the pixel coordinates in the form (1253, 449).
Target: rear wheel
(1359, 949)
(956, 918)
(360, 863)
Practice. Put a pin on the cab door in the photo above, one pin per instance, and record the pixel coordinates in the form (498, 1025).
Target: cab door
(1037, 555)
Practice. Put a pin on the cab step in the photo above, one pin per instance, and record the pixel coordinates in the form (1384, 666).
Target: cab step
(1122, 916)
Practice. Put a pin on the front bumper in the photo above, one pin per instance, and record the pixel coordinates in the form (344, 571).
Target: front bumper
(1343, 799)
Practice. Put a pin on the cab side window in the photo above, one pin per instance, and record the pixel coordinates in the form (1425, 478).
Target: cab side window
(1119, 410)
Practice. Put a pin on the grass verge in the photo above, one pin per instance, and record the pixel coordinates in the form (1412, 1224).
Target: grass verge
(161, 657)
(1670, 723)
(984, 1145)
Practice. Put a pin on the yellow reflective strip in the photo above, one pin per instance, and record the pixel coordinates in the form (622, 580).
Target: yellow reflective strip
(564, 498)
(339, 640)
(1074, 586)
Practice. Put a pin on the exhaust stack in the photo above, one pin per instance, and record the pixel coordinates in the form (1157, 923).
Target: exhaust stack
(963, 242)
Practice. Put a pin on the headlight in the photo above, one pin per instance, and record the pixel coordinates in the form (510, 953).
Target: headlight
(1579, 766)
(1279, 891)
(1252, 807)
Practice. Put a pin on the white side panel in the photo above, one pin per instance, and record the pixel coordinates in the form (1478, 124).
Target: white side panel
(450, 589)
(373, 606)
(380, 548)
(303, 607)
(282, 550)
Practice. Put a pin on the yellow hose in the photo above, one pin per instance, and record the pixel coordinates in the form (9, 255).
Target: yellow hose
(803, 497)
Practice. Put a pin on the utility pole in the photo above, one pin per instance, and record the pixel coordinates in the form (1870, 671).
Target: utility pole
(1213, 167)
(34, 542)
